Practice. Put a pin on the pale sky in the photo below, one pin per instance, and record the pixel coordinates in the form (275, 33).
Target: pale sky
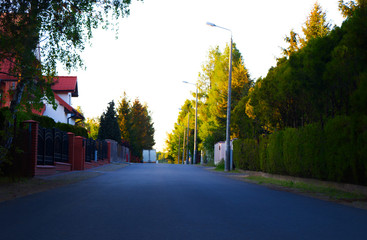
(165, 42)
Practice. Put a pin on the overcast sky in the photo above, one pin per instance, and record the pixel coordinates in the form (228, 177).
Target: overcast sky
(165, 42)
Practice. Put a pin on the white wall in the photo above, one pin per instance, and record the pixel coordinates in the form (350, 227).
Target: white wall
(220, 151)
(58, 115)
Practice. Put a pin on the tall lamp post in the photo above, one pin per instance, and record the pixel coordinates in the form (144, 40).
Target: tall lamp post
(228, 165)
(196, 120)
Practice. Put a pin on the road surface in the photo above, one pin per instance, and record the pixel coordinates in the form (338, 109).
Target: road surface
(161, 201)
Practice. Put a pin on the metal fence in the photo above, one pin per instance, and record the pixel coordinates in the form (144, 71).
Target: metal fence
(95, 149)
(53, 146)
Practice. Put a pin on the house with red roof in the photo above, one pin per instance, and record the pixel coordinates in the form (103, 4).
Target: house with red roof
(64, 88)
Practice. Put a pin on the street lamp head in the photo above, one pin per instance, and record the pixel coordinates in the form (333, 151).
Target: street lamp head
(211, 24)
(189, 83)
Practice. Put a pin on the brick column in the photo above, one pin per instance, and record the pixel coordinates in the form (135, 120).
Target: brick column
(71, 137)
(79, 153)
(31, 153)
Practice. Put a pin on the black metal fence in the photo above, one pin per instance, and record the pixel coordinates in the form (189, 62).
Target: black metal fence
(95, 149)
(53, 146)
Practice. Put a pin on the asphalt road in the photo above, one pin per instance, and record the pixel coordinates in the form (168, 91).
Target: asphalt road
(161, 201)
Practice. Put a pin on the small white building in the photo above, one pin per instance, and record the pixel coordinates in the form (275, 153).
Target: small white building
(220, 151)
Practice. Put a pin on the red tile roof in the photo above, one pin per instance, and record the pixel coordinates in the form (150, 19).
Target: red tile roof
(66, 84)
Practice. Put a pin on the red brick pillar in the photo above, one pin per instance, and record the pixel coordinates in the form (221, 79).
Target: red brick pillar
(31, 153)
(108, 152)
(79, 153)
(71, 137)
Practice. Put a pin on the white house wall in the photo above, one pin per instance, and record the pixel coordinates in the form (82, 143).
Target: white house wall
(66, 97)
(58, 115)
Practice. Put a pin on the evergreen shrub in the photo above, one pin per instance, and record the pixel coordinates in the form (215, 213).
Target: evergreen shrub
(335, 152)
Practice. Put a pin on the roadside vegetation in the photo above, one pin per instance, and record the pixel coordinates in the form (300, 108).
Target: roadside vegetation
(306, 118)
(330, 192)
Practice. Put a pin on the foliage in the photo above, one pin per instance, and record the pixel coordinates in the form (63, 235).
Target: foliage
(246, 154)
(331, 192)
(220, 166)
(92, 126)
(212, 105)
(108, 126)
(136, 126)
(335, 152)
(55, 31)
(315, 25)
(180, 136)
(77, 130)
(124, 117)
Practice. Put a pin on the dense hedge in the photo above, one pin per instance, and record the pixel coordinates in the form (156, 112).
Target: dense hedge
(44, 121)
(336, 151)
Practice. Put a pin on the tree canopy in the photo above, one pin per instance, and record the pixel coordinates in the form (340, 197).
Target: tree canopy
(108, 126)
(37, 34)
(136, 126)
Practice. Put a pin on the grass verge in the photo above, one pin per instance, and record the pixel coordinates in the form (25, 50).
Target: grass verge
(330, 192)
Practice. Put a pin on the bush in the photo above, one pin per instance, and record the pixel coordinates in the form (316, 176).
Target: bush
(336, 152)
(263, 153)
(44, 121)
(313, 151)
(246, 154)
(77, 130)
(220, 165)
(275, 153)
(292, 147)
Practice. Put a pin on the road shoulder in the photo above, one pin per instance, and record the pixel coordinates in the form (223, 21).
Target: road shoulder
(24, 187)
(314, 188)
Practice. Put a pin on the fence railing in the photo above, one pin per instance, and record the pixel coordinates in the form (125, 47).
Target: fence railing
(93, 147)
(53, 146)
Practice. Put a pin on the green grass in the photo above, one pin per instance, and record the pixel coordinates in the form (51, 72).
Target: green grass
(220, 166)
(309, 188)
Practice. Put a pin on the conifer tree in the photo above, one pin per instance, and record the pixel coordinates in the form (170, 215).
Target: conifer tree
(123, 118)
(109, 128)
(315, 25)
(348, 8)
(293, 41)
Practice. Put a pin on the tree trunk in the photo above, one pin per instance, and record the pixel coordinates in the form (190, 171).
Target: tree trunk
(9, 135)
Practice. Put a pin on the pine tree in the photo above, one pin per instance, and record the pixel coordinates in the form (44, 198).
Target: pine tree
(141, 131)
(348, 8)
(315, 25)
(123, 117)
(293, 41)
(109, 128)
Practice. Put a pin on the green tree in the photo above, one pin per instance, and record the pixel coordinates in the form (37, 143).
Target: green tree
(315, 25)
(347, 8)
(175, 139)
(92, 125)
(108, 127)
(293, 41)
(141, 130)
(56, 31)
(123, 117)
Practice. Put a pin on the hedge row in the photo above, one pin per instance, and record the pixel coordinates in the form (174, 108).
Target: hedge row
(335, 152)
(44, 121)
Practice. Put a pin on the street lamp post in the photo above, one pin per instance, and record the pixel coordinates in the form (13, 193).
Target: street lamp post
(188, 128)
(178, 149)
(183, 148)
(228, 165)
(196, 121)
